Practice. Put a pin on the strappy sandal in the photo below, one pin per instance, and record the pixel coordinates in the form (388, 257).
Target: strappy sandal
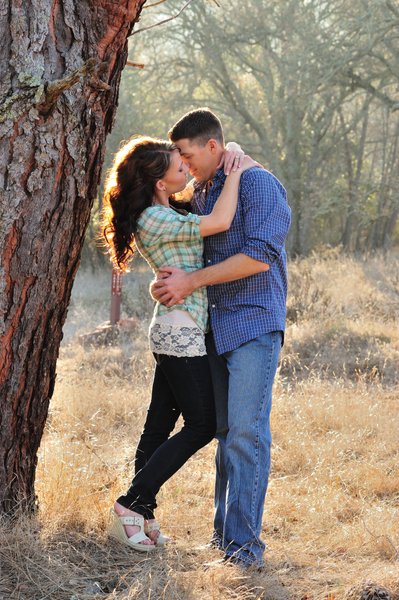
(117, 531)
(161, 540)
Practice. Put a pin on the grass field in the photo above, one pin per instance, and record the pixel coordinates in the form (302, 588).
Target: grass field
(331, 517)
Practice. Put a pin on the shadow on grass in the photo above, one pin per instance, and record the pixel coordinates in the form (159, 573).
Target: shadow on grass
(74, 564)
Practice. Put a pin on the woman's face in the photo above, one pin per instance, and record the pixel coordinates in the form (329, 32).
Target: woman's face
(175, 178)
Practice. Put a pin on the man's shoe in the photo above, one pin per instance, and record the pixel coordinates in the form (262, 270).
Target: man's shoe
(207, 547)
(215, 543)
(213, 564)
(233, 561)
(243, 564)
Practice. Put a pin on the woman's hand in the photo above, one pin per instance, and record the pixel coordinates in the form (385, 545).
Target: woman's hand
(232, 158)
(248, 163)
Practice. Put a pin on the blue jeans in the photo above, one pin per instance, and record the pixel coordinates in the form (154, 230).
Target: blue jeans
(243, 381)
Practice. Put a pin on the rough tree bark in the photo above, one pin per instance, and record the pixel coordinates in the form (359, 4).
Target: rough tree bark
(59, 81)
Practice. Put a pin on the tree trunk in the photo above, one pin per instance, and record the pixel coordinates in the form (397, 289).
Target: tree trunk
(59, 88)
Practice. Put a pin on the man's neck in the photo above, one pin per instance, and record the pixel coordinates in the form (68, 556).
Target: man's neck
(216, 169)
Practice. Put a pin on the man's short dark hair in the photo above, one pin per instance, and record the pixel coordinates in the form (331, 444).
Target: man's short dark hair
(198, 125)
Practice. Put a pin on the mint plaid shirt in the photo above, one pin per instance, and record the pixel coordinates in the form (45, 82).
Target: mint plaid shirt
(167, 237)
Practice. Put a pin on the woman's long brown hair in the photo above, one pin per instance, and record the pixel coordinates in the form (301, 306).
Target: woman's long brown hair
(129, 190)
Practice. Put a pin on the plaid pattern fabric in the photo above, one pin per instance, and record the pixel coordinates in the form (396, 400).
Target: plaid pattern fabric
(201, 190)
(244, 309)
(167, 237)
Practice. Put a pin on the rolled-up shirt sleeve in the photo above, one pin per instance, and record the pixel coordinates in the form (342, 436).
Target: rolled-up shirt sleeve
(267, 215)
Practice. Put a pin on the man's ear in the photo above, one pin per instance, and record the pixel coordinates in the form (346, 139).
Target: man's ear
(213, 145)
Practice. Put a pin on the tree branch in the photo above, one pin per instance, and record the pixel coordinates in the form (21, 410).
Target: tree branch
(44, 95)
(392, 8)
(53, 89)
(357, 81)
(154, 4)
(130, 63)
(162, 22)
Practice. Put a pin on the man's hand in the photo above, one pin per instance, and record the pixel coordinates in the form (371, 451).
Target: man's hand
(172, 286)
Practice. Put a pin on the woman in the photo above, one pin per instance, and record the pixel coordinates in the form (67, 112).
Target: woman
(145, 175)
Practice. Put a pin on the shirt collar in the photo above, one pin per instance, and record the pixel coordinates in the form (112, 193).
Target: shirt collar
(219, 176)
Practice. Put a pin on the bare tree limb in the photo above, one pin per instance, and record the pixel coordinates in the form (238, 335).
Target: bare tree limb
(130, 63)
(392, 8)
(357, 81)
(154, 4)
(53, 89)
(162, 22)
(44, 95)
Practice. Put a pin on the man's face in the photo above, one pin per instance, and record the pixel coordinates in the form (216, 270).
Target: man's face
(201, 160)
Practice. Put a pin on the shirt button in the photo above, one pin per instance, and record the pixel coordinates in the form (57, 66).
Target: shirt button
(209, 260)
(213, 305)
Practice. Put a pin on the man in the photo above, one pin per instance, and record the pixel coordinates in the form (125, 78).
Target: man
(246, 279)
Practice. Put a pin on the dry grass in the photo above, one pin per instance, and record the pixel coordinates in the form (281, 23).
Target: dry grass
(331, 516)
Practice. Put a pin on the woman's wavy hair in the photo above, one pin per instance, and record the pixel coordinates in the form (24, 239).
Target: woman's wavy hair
(129, 189)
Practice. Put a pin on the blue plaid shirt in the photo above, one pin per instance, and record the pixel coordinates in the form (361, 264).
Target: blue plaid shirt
(247, 308)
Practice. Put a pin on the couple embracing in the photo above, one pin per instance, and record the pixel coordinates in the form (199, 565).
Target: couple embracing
(218, 323)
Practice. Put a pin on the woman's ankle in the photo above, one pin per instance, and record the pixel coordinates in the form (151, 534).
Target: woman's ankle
(122, 510)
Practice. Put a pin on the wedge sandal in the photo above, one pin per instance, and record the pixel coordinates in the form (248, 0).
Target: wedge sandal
(154, 526)
(117, 531)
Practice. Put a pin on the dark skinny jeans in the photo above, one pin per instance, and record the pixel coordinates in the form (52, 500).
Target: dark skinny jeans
(181, 386)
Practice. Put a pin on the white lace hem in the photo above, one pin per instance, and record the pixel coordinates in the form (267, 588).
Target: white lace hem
(177, 341)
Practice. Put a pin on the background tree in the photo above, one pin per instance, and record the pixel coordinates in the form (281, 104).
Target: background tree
(59, 80)
(309, 88)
